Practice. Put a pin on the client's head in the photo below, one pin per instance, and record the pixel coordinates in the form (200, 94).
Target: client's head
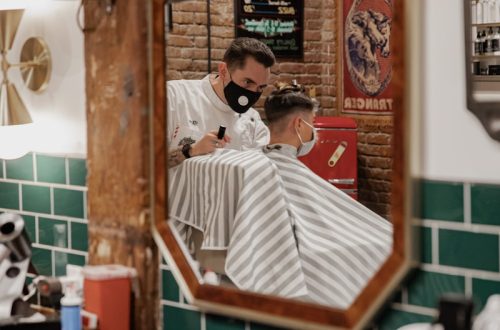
(290, 113)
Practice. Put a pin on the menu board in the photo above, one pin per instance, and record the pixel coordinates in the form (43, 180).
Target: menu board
(278, 24)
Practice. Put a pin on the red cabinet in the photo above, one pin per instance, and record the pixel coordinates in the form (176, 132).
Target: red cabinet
(334, 157)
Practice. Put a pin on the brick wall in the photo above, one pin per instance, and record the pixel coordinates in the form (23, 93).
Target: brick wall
(375, 162)
(187, 58)
(187, 46)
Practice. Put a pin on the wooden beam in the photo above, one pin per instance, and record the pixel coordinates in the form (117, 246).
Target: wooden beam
(118, 110)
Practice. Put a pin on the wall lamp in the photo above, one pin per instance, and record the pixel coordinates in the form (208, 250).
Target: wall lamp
(34, 64)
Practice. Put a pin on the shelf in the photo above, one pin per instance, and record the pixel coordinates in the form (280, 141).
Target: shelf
(487, 25)
(485, 57)
(486, 78)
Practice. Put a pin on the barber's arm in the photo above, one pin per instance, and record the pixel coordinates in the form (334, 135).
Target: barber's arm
(207, 144)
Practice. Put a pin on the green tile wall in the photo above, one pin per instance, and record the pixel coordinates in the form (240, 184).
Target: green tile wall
(469, 250)
(20, 169)
(77, 171)
(485, 204)
(49, 193)
(42, 259)
(30, 225)
(51, 169)
(483, 289)
(36, 198)
(9, 195)
(426, 287)
(68, 202)
(465, 254)
(175, 318)
(170, 289)
(426, 245)
(53, 232)
(79, 236)
(442, 200)
(215, 322)
(394, 319)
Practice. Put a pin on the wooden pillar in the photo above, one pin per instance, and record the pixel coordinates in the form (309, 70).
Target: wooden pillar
(118, 88)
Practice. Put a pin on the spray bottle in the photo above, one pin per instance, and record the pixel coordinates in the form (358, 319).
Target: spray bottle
(71, 305)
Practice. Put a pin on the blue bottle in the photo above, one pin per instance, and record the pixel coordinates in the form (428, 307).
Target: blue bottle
(71, 305)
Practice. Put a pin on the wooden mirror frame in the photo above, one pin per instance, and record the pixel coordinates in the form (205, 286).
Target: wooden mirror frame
(272, 309)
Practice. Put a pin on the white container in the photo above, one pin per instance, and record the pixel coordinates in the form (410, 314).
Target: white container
(497, 11)
(479, 12)
(491, 11)
(489, 318)
(473, 11)
(486, 11)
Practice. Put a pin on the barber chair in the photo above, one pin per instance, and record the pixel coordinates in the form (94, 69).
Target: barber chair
(15, 253)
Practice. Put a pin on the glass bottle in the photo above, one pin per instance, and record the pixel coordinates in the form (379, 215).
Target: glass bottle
(495, 42)
(489, 42)
(478, 44)
(484, 41)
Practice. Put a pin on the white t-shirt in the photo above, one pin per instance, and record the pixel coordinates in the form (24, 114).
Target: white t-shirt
(194, 109)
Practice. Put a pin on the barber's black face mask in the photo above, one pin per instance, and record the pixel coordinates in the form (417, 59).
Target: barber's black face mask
(240, 99)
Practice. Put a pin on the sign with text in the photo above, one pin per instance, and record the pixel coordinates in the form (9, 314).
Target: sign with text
(366, 64)
(278, 24)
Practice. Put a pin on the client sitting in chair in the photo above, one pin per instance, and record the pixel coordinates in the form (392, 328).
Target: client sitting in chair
(282, 229)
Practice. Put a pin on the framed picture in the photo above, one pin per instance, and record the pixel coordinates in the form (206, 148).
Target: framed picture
(278, 24)
(365, 58)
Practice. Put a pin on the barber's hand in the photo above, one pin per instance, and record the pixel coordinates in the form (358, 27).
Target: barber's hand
(208, 144)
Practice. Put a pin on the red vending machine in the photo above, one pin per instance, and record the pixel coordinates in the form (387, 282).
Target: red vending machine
(334, 157)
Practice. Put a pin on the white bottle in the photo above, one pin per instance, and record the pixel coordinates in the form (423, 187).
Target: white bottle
(486, 11)
(473, 11)
(491, 10)
(497, 11)
(489, 318)
(479, 12)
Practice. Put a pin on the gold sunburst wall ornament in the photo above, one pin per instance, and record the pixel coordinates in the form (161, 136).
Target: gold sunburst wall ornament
(34, 63)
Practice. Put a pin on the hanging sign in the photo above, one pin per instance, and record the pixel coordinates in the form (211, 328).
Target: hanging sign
(365, 53)
(278, 24)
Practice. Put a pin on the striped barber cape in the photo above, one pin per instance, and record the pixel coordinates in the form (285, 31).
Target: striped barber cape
(287, 232)
(341, 243)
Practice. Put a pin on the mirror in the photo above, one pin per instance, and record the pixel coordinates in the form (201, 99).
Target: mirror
(174, 239)
(482, 62)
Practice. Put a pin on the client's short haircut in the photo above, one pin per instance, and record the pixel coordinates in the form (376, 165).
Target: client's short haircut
(287, 99)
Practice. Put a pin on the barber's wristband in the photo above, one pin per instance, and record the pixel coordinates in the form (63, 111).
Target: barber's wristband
(185, 150)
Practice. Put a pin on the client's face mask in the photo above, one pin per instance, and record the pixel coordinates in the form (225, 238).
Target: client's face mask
(306, 147)
(240, 99)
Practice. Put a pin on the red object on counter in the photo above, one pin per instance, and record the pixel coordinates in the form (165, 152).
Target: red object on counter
(107, 293)
(334, 156)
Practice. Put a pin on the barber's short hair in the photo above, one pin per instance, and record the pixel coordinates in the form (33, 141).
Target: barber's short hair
(241, 48)
(285, 100)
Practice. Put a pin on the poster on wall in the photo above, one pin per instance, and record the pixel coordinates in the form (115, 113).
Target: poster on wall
(365, 53)
(278, 24)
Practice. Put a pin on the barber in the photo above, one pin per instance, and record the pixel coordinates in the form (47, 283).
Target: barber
(196, 108)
